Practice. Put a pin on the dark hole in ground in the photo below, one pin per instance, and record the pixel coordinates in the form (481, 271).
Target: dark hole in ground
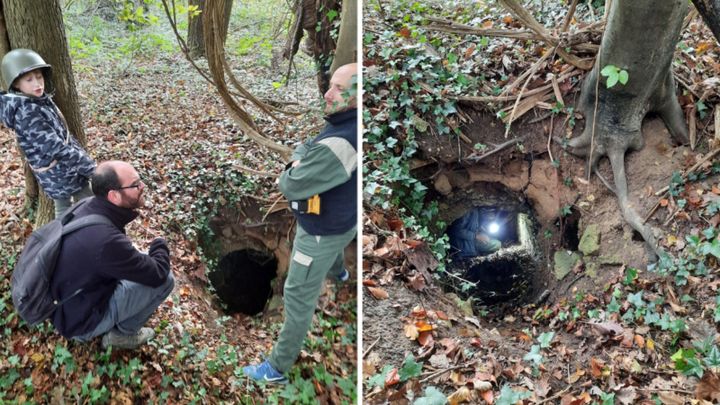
(570, 229)
(501, 280)
(637, 236)
(242, 280)
(502, 276)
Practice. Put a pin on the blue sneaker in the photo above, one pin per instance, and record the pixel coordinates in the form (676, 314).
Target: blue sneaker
(264, 372)
(344, 276)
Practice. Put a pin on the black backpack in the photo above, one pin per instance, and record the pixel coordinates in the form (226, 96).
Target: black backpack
(34, 269)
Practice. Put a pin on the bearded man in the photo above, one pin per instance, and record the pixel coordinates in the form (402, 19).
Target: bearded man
(320, 182)
(107, 286)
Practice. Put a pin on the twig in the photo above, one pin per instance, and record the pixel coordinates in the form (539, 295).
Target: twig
(592, 134)
(532, 71)
(443, 371)
(271, 207)
(365, 353)
(255, 172)
(497, 149)
(679, 391)
(569, 16)
(548, 143)
(559, 394)
(570, 72)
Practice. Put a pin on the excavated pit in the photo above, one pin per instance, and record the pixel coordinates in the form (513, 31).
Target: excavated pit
(507, 275)
(248, 253)
(243, 279)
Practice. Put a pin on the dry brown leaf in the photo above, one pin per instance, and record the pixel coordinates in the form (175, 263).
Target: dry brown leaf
(576, 376)
(671, 398)
(607, 328)
(369, 283)
(463, 394)
(596, 367)
(709, 387)
(378, 293)
(411, 331)
(425, 338)
(488, 396)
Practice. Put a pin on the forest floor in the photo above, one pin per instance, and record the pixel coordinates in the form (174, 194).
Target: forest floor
(612, 326)
(151, 108)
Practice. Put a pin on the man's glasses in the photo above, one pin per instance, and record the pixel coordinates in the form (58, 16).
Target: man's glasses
(136, 184)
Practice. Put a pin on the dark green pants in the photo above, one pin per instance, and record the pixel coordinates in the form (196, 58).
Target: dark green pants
(313, 258)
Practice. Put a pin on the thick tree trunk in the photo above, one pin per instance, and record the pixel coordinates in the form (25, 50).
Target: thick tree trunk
(48, 39)
(346, 49)
(196, 43)
(710, 12)
(640, 38)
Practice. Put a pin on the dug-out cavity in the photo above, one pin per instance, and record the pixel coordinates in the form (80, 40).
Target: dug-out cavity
(248, 253)
(507, 274)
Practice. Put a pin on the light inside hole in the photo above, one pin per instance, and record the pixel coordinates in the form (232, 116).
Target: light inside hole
(493, 228)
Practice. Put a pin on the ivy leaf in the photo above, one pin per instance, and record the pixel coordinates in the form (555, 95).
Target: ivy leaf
(545, 339)
(713, 358)
(623, 77)
(613, 307)
(534, 355)
(410, 369)
(630, 275)
(510, 397)
(378, 380)
(636, 299)
(432, 397)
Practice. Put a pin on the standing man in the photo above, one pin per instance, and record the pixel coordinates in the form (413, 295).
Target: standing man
(321, 185)
(120, 287)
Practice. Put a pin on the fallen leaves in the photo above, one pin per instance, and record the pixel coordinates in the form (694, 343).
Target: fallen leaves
(378, 293)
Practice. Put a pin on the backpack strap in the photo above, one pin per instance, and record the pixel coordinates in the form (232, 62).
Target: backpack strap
(74, 225)
(87, 220)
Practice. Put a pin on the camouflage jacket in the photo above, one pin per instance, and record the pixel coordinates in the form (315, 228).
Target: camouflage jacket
(60, 164)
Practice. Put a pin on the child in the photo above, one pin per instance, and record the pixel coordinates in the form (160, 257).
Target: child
(59, 163)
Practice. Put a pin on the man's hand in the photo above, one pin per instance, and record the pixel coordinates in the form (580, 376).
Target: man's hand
(295, 163)
(481, 237)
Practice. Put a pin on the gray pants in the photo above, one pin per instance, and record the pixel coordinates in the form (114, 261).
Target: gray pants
(313, 258)
(130, 307)
(61, 205)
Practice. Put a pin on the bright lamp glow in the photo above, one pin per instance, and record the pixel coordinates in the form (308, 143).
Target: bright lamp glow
(494, 228)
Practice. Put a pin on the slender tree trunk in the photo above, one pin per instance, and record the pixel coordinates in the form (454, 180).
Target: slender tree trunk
(710, 12)
(324, 43)
(196, 43)
(46, 36)
(346, 49)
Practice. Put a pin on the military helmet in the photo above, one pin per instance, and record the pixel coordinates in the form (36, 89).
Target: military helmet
(20, 61)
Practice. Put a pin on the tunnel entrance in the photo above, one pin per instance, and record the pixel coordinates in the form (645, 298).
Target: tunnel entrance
(243, 278)
(499, 266)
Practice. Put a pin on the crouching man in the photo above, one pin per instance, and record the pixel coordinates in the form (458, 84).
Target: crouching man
(120, 287)
(321, 185)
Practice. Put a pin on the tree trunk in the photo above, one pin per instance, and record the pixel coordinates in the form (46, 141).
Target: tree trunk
(346, 49)
(324, 43)
(640, 38)
(710, 12)
(48, 39)
(196, 43)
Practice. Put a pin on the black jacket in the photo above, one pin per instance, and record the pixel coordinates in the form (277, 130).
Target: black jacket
(95, 259)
